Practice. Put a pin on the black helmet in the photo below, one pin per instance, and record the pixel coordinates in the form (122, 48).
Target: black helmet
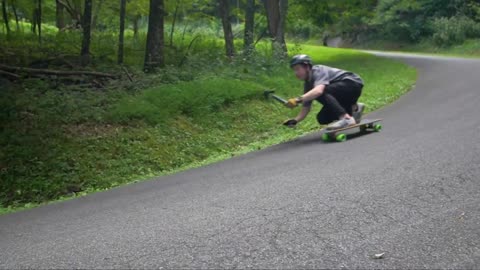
(300, 59)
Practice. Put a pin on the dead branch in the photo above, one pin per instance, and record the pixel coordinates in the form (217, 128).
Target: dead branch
(97, 84)
(260, 37)
(55, 72)
(8, 74)
(188, 50)
(128, 74)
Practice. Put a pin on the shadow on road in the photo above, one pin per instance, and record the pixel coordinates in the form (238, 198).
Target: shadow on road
(309, 140)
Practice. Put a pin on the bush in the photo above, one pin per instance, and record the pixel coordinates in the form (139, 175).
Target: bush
(453, 30)
(303, 29)
(194, 99)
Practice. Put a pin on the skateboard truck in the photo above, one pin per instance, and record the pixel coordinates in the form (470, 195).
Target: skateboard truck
(269, 93)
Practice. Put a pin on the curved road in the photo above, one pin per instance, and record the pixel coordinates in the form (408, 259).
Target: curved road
(411, 191)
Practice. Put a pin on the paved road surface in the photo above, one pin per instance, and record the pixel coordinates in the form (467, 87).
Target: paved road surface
(411, 191)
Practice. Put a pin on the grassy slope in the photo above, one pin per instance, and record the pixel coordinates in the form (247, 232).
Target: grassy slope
(470, 48)
(145, 135)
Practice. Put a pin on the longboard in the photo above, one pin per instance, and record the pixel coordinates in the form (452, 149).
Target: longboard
(364, 125)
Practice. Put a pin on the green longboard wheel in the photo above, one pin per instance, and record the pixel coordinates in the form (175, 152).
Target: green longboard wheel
(377, 127)
(341, 137)
(325, 137)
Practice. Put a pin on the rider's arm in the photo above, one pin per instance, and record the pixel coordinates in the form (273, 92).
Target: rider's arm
(303, 113)
(314, 93)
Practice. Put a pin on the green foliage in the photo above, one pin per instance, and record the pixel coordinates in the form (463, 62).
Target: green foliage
(394, 20)
(399, 19)
(25, 9)
(335, 17)
(192, 99)
(454, 30)
(302, 29)
(409, 20)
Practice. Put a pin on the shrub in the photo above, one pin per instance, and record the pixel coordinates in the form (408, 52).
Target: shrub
(194, 99)
(453, 30)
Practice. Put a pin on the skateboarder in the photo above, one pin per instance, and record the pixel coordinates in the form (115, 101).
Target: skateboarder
(337, 90)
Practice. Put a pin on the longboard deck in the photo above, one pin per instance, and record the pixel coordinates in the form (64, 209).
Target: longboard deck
(364, 122)
(339, 135)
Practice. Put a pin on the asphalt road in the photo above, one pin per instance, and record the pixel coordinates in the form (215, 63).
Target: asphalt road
(411, 191)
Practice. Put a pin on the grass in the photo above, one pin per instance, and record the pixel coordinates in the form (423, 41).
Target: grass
(58, 144)
(469, 49)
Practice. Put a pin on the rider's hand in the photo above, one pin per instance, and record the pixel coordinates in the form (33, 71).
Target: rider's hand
(290, 123)
(292, 103)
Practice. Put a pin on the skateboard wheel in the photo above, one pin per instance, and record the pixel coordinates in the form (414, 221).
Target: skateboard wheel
(325, 137)
(377, 127)
(341, 137)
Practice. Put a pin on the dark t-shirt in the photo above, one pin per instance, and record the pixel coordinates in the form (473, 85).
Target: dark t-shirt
(326, 75)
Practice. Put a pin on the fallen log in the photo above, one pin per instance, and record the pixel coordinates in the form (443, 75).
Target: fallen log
(55, 72)
(128, 74)
(8, 74)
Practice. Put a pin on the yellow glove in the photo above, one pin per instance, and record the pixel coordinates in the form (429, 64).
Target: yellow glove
(292, 103)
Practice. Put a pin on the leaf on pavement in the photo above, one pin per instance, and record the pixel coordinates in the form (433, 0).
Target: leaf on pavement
(379, 255)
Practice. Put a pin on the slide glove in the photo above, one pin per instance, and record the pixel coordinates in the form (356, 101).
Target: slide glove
(293, 102)
(290, 123)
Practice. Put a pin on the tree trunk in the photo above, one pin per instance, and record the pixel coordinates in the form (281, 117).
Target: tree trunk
(249, 24)
(5, 16)
(281, 25)
(97, 11)
(14, 8)
(135, 26)
(276, 14)
(60, 17)
(87, 22)
(36, 18)
(123, 4)
(155, 39)
(73, 10)
(77, 12)
(227, 27)
(173, 22)
(34, 21)
(39, 21)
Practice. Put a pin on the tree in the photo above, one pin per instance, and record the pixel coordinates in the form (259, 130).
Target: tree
(175, 14)
(155, 39)
(39, 20)
(249, 26)
(135, 11)
(5, 16)
(87, 22)
(13, 3)
(399, 20)
(224, 11)
(123, 4)
(276, 13)
(60, 18)
(97, 12)
(74, 9)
